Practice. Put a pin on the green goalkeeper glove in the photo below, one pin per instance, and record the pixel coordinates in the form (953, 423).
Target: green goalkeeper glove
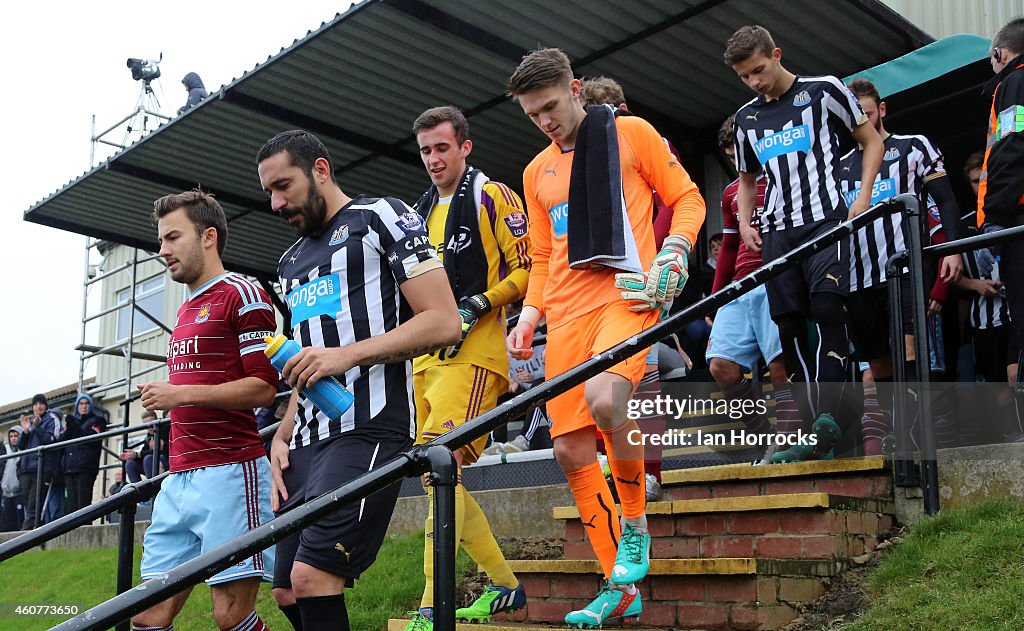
(669, 270)
(634, 286)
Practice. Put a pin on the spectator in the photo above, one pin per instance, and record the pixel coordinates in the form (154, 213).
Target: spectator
(37, 430)
(12, 503)
(139, 460)
(82, 462)
(995, 349)
(115, 488)
(267, 416)
(714, 247)
(196, 91)
(118, 484)
(56, 497)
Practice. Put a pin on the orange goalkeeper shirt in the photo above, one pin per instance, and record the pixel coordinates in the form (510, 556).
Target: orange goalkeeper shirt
(561, 293)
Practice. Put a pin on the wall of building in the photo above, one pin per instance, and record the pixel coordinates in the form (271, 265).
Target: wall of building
(942, 18)
(110, 368)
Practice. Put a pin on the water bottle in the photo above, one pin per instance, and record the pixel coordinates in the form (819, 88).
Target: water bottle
(327, 394)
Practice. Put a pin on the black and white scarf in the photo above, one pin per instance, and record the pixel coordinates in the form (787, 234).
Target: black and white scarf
(464, 258)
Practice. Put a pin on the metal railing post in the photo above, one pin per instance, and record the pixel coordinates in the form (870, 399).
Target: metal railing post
(929, 466)
(125, 555)
(443, 477)
(37, 519)
(905, 466)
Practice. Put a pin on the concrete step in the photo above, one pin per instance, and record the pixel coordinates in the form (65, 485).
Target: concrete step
(853, 477)
(736, 593)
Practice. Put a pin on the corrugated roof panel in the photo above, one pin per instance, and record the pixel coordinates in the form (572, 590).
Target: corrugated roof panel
(211, 150)
(704, 90)
(578, 27)
(333, 79)
(385, 177)
(260, 238)
(360, 81)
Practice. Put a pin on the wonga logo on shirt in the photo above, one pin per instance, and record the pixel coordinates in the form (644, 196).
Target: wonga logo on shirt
(783, 142)
(321, 296)
(560, 218)
(880, 191)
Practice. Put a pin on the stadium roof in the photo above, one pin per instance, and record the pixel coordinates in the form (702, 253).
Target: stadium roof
(359, 81)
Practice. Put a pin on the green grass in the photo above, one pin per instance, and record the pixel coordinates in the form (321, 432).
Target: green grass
(88, 577)
(961, 570)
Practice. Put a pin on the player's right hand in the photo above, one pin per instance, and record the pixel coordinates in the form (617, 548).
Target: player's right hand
(279, 451)
(520, 341)
(751, 238)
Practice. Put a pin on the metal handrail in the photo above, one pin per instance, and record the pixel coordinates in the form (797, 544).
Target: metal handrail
(131, 493)
(414, 462)
(131, 429)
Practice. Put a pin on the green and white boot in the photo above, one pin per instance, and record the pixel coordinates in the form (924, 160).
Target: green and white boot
(610, 604)
(493, 600)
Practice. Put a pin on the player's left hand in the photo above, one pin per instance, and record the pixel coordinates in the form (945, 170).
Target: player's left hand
(857, 207)
(951, 269)
(934, 306)
(470, 310)
(313, 363)
(669, 270)
(160, 395)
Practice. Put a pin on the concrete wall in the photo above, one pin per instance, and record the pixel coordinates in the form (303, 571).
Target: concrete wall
(511, 512)
(104, 536)
(968, 475)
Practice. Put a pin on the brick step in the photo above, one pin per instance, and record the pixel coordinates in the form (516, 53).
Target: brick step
(736, 593)
(791, 526)
(853, 477)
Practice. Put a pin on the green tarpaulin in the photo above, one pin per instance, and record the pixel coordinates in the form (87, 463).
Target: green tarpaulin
(925, 63)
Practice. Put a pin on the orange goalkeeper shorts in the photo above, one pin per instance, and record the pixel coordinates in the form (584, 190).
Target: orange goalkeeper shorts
(576, 341)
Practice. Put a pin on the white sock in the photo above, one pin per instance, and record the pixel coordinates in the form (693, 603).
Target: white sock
(640, 523)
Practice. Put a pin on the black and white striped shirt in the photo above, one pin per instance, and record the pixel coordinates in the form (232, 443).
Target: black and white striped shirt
(796, 138)
(343, 287)
(986, 312)
(908, 162)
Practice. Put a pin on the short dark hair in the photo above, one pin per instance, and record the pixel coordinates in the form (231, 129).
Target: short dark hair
(444, 114)
(303, 150)
(862, 88)
(727, 133)
(201, 209)
(601, 91)
(747, 41)
(540, 69)
(974, 161)
(1011, 36)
